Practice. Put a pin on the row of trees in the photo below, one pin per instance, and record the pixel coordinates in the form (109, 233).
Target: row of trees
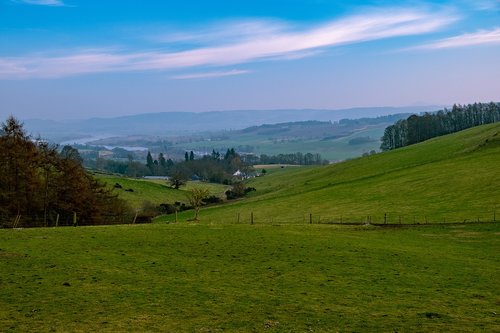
(216, 168)
(416, 129)
(40, 186)
(294, 158)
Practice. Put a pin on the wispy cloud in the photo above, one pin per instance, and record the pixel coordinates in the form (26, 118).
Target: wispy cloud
(207, 75)
(267, 42)
(485, 4)
(482, 37)
(56, 3)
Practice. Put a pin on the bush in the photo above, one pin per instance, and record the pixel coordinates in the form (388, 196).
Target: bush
(213, 199)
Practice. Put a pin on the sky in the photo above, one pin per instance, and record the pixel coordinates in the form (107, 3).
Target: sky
(74, 59)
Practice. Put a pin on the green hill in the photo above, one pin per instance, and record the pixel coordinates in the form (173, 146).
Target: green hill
(451, 178)
(138, 192)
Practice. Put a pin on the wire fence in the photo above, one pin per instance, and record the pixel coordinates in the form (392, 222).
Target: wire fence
(384, 219)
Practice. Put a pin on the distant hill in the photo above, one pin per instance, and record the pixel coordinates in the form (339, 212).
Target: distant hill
(449, 178)
(176, 123)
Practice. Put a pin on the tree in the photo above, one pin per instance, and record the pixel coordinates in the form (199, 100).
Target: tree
(195, 199)
(149, 162)
(191, 156)
(71, 153)
(40, 185)
(178, 177)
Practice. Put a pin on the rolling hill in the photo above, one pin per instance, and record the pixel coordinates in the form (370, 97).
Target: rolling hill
(450, 178)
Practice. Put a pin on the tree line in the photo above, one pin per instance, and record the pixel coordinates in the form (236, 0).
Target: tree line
(293, 158)
(416, 128)
(42, 186)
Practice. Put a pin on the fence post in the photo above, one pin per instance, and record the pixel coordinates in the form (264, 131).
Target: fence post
(310, 218)
(74, 219)
(57, 220)
(251, 218)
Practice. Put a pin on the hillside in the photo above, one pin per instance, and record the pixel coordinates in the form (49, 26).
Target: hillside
(141, 192)
(450, 178)
(169, 123)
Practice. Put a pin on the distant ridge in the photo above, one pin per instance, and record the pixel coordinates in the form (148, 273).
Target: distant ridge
(167, 123)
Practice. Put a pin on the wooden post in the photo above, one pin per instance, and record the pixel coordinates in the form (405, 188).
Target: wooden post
(251, 218)
(135, 218)
(17, 220)
(74, 219)
(176, 215)
(310, 218)
(57, 220)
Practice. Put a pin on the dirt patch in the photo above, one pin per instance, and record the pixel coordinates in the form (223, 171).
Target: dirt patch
(468, 234)
(9, 255)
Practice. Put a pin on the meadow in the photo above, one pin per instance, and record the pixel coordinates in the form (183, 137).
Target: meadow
(154, 191)
(250, 278)
(454, 178)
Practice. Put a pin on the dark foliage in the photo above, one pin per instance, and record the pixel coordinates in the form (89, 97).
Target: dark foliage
(238, 190)
(416, 129)
(213, 199)
(41, 187)
(295, 159)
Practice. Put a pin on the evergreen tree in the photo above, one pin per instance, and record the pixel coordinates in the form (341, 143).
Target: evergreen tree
(150, 162)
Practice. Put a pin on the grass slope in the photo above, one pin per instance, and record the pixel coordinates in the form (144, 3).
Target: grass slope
(243, 278)
(154, 191)
(450, 178)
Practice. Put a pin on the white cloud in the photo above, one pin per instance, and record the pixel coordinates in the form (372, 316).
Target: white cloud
(42, 2)
(207, 75)
(257, 42)
(482, 37)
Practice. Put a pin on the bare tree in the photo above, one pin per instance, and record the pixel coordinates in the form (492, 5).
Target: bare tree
(196, 197)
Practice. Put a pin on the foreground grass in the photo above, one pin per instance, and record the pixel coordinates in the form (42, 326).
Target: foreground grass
(208, 278)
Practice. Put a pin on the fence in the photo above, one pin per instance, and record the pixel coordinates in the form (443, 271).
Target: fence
(384, 219)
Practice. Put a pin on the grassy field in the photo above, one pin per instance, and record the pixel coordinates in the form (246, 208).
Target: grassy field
(243, 278)
(155, 191)
(448, 179)
(331, 149)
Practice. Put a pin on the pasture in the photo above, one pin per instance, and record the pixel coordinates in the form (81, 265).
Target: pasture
(243, 278)
(454, 178)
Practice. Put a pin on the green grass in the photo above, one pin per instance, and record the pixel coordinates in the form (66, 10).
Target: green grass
(154, 191)
(243, 278)
(447, 179)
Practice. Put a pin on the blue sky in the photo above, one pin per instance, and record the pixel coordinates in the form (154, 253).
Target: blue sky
(84, 58)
